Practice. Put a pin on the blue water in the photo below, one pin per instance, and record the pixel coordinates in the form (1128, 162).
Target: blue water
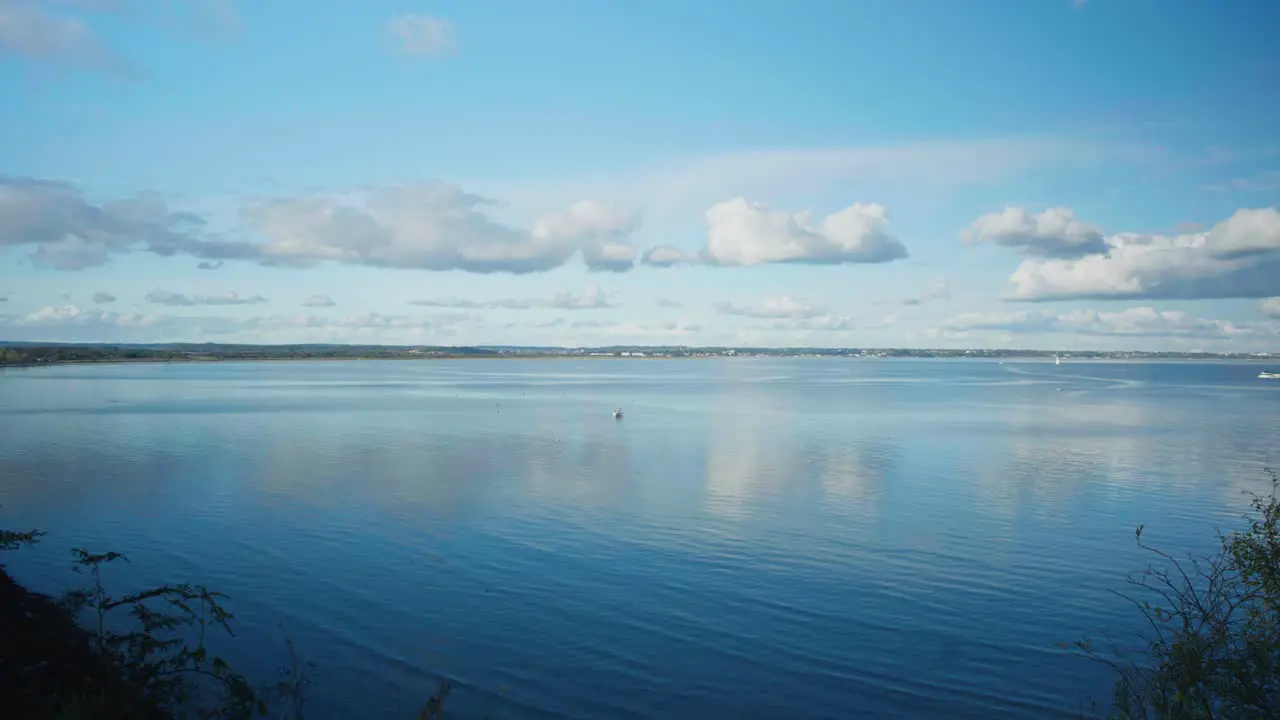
(800, 538)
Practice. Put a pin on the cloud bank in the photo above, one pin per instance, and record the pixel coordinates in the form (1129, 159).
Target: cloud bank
(71, 322)
(166, 297)
(1132, 322)
(423, 227)
(1236, 258)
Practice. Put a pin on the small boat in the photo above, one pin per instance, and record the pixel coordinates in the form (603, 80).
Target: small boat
(1057, 360)
(1268, 375)
(617, 413)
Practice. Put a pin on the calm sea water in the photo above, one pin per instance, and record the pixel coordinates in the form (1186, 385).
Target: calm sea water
(757, 538)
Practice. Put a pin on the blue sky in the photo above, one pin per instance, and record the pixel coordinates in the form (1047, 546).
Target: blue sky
(930, 173)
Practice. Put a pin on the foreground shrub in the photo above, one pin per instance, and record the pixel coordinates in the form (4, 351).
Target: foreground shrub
(1212, 647)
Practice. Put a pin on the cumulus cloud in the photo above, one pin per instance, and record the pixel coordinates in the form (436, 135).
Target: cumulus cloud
(743, 233)
(1237, 258)
(103, 298)
(776, 307)
(1054, 233)
(166, 297)
(420, 35)
(599, 229)
(64, 231)
(28, 31)
(666, 256)
(592, 299)
(318, 301)
(429, 227)
(432, 227)
(207, 265)
(1132, 322)
(1270, 307)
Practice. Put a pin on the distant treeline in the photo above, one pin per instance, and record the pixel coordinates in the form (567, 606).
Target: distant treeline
(54, 354)
(37, 354)
(72, 354)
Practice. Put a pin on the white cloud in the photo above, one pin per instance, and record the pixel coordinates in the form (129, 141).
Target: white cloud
(1054, 233)
(67, 314)
(428, 227)
(72, 323)
(167, 297)
(775, 307)
(743, 233)
(420, 35)
(668, 332)
(102, 298)
(318, 301)
(66, 232)
(431, 227)
(1270, 307)
(666, 256)
(463, 303)
(592, 299)
(598, 228)
(1237, 258)
(824, 323)
(1132, 322)
(28, 31)
(818, 323)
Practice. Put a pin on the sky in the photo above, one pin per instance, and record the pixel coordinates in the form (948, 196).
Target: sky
(1049, 174)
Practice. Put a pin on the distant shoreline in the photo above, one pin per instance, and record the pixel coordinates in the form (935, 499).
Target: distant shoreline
(48, 356)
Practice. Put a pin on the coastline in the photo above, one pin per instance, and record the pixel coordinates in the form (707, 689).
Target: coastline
(13, 355)
(1259, 362)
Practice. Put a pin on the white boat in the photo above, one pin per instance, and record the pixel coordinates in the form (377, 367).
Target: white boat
(1268, 375)
(1057, 360)
(617, 413)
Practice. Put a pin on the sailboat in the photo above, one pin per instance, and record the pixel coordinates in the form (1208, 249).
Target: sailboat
(1057, 360)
